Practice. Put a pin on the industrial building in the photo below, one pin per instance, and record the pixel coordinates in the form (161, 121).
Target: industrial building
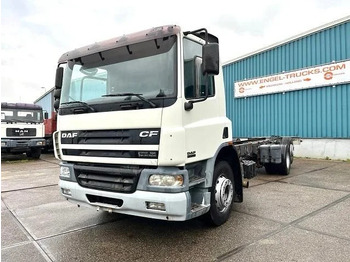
(297, 87)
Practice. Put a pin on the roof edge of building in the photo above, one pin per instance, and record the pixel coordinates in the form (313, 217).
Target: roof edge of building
(47, 92)
(314, 30)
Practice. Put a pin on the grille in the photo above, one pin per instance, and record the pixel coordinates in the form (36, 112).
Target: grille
(105, 200)
(79, 142)
(20, 132)
(115, 179)
(112, 137)
(111, 153)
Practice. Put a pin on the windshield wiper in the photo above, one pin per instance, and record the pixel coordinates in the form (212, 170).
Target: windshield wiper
(139, 96)
(81, 103)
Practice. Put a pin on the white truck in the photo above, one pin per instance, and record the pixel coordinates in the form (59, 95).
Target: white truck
(22, 129)
(142, 129)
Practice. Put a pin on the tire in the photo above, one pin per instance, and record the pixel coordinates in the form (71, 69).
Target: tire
(222, 194)
(291, 151)
(270, 168)
(284, 167)
(34, 153)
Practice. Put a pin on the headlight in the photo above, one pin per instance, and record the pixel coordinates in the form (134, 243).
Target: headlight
(166, 180)
(65, 172)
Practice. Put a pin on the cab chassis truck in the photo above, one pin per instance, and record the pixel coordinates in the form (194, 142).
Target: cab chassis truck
(142, 129)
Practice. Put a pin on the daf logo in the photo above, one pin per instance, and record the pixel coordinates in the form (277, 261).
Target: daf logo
(148, 133)
(69, 135)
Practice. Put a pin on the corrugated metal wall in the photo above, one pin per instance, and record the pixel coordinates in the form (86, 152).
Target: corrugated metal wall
(322, 112)
(46, 102)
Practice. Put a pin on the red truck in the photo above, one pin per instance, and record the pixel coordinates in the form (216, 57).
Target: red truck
(46, 102)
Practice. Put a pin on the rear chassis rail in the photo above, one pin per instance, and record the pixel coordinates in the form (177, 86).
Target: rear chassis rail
(265, 151)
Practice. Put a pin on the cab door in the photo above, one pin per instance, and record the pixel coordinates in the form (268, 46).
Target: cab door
(201, 120)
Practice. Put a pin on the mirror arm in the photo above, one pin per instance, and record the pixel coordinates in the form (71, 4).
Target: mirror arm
(189, 104)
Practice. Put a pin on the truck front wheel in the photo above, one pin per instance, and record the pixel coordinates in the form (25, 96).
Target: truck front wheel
(222, 192)
(34, 153)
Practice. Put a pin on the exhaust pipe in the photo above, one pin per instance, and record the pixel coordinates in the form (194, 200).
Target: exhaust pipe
(245, 183)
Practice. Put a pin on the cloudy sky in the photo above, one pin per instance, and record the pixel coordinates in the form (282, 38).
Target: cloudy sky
(34, 33)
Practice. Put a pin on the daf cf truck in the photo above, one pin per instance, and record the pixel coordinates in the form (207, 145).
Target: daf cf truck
(22, 129)
(142, 129)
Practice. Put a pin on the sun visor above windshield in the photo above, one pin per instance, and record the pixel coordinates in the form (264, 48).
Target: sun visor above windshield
(20, 106)
(154, 33)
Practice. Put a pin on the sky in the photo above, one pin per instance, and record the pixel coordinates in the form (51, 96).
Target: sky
(35, 33)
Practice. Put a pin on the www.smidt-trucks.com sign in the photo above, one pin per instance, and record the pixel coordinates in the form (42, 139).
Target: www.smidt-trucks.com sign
(323, 75)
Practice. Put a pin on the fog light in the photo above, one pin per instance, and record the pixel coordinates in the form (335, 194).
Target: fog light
(166, 180)
(65, 172)
(66, 191)
(155, 206)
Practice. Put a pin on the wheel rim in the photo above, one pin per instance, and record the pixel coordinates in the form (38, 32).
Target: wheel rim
(291, 153)
(223, 193)
(288, 161)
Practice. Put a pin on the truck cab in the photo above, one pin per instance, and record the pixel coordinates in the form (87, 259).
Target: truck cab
(22, 129)
(142, 127)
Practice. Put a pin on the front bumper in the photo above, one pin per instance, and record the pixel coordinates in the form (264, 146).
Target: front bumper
(20, 145)
(177, 205)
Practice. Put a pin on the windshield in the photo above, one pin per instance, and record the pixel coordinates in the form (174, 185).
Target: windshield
(21, 115)
(143, 72)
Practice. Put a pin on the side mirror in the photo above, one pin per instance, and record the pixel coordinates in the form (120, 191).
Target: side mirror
(59, 77)
(46, 115)
(210, 56)
(57, 94)
(58, 86)
(56, 104)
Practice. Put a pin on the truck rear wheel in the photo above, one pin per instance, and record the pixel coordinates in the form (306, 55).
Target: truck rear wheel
(284, 167)
(270, 168)
(222, 192)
